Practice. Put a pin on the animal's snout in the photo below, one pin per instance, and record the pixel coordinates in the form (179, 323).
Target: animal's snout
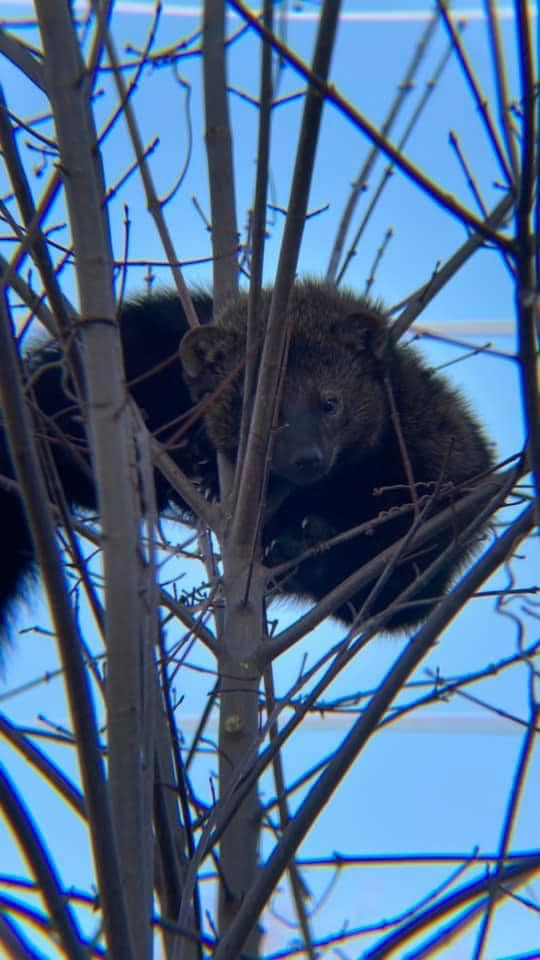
(308, 459)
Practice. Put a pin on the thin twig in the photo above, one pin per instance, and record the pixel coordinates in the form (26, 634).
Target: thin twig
(514, 799)
(512, 876)
(26, 462)
(219, 154)
(469, 176)
(53, 774)
(481, 101)
(244, 523)
(25, 200)
(318, 796)
(389, 170)
(258, 233)
(361, 180)
(298, 887)
(152, 200)
(42, 868)
(527, 292)
(22, 58)
(499, 71)
(421, 297)
(329, 93)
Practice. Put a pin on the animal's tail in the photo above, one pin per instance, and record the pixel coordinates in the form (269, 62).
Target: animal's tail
(16, 553)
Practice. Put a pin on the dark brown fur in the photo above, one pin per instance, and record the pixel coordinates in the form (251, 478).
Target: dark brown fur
(336, 445)
(335, 455)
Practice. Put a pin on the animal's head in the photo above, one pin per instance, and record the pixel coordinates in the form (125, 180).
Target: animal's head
(331, 402)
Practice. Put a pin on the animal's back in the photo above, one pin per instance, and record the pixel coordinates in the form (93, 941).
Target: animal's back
(343, 378)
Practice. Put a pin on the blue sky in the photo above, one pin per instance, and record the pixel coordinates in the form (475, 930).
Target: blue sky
(440, 783)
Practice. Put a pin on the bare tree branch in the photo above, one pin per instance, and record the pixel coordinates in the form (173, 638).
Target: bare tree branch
(42, 868)
(443, 199)
(320, 793)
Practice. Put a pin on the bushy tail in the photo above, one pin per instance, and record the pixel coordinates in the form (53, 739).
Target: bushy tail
(17, 562)
(151, 328)
(16, 554)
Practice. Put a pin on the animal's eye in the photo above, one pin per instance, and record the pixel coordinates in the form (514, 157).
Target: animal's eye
(330, 404)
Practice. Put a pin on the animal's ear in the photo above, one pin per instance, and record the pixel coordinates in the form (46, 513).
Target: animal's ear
(207, 355)
(364, 331)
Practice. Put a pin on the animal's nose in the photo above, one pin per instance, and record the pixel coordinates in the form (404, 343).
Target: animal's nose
(308, 459)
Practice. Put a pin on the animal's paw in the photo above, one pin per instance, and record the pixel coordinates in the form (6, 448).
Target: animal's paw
(293, 542)
(316, 529)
